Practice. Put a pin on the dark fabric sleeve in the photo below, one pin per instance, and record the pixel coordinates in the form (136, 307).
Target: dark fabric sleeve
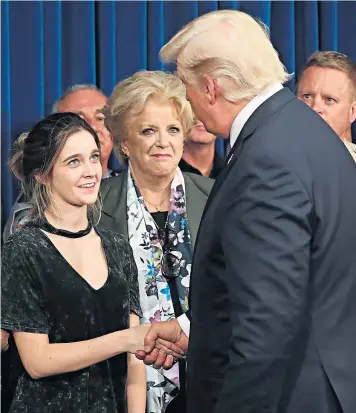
(21, 304)
(267, 251)
(131, 271)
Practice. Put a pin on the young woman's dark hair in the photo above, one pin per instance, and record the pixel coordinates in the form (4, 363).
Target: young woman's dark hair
(34, 154)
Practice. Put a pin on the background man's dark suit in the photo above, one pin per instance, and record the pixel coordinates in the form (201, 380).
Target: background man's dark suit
(273, 292)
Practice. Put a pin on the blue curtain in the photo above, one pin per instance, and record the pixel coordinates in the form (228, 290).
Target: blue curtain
(48, 46)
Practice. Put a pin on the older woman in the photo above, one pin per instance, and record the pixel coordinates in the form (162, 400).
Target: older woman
(156, 206)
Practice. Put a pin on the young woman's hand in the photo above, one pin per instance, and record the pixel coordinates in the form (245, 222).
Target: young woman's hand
(137, 337)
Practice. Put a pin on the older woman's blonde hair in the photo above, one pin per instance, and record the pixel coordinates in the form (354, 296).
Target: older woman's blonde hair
(232, 48)
(130, 96)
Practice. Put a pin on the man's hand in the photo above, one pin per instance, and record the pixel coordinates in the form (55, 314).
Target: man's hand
(164, 342)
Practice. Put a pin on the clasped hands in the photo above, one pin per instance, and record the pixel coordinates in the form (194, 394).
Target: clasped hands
(164, 344)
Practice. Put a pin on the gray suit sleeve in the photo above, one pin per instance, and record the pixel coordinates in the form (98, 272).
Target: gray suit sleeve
(266, 247)
(18, 217)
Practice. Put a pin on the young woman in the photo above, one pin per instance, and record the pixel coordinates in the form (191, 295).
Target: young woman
(69, 289)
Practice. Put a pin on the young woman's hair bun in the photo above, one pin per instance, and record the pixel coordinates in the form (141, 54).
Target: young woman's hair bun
(16, 158)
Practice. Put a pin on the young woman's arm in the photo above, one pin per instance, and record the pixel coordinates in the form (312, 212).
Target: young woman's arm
(22, 313)
(42, 359)
(136, 379)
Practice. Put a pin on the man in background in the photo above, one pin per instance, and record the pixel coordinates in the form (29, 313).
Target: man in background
(327, 84)
(87, 101)
(199, 156)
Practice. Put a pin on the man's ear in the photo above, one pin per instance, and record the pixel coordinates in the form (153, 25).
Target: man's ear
(353, 112)
(211, 89)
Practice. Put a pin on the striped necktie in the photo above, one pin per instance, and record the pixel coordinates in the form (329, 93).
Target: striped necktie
(228, 148)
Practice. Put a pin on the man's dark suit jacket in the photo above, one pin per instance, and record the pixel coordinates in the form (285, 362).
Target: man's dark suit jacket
(114, 195)
(273, 289)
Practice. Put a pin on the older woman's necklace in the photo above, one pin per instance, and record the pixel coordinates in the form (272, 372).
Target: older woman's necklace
(157, 206)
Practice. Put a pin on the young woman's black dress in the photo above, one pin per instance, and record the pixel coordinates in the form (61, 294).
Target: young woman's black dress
(42, 293)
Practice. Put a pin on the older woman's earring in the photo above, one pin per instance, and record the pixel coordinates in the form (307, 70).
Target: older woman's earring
(124, 154)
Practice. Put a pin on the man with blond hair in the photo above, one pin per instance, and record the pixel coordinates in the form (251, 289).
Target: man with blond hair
(273, 309)
(327, 84)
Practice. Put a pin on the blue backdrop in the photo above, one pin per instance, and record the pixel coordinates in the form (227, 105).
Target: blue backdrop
(47, 46)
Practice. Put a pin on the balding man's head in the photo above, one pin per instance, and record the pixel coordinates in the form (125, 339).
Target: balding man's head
(88, 101)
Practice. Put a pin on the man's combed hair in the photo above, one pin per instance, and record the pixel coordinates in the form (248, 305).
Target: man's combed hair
(333, 60)
(72, 89)
(231, 47)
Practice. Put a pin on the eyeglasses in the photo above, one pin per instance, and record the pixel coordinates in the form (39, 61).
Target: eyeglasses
(170, 263)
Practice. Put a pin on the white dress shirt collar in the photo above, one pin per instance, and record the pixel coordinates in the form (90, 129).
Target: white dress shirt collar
(248, 110)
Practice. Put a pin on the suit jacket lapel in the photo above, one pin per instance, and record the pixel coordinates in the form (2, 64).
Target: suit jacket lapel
(261, 114)
(114, 198)
(195, 202)
(114, 203)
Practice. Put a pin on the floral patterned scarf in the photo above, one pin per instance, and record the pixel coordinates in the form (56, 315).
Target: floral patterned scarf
(155, 297)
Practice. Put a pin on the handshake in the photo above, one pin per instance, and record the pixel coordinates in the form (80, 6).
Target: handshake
(163, 344)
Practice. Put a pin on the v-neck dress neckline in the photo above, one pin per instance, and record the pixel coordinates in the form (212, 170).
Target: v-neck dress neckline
(63, 258)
